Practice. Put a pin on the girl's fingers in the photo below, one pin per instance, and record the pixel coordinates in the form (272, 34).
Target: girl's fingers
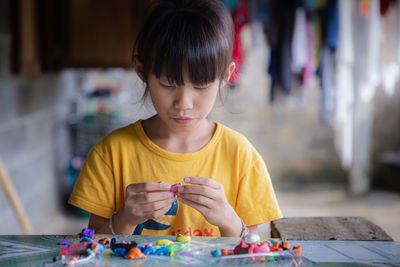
(203, 181)
(199, 199)
(153, 206)
(198, 190)
(152, 197)
(160, 212)
(148, 187)
(200, 208)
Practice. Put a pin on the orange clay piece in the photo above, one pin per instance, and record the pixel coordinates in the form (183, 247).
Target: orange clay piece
(276, 246)
(286, 244)
(135, 253)
(72, 260)
(298, 252)
(105, 241)
(224, 252)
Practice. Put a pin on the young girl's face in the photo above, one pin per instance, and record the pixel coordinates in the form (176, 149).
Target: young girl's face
(182, 106)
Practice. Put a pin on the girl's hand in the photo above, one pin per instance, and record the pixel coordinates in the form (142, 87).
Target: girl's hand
(145, 201)
(208, 197)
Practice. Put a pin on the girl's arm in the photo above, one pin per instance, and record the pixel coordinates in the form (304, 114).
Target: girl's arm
(253, 229)
(102, 225)
(99, 224)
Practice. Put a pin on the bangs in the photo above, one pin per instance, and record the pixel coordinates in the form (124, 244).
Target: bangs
(187, 43)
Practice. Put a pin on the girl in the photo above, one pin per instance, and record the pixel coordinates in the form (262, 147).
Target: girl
(183, 55)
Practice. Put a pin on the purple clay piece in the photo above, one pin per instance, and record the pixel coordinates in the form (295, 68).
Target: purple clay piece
(286, 256)
(186, 254)
(64, 243)
(86, 232)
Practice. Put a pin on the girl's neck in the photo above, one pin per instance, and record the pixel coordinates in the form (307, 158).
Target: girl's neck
(179, 140)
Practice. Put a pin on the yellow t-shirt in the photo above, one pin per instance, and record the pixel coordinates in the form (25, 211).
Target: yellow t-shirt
(128, 156)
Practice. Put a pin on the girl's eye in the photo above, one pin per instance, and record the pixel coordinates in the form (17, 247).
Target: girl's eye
(167, 85)
(201, 87)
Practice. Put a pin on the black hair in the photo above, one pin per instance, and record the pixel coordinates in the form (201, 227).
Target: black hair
(192, 35)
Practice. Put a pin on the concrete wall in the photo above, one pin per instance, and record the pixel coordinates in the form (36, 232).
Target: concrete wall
(27, 132)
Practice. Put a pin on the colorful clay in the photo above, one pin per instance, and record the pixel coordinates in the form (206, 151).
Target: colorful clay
(85, 239)
(174, 188)
(251, 238)
(183, 238)
(164, 242)
(216, 253)
(86, 232)
(126, 246)
(224, 252)
(105, 241)
(162, 251)
(135, 253)
(251, 244)
(297, 252)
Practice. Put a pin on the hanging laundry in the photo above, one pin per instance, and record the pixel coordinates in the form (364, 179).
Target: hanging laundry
(372, 77)
(329, 23)
(299, 41)
(279, 32)
(309, 68)
(390, 42)
(240, 18)
(326, 81)
(345, 84)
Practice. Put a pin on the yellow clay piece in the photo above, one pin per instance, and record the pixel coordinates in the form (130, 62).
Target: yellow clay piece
(183, 238)
(164, 242)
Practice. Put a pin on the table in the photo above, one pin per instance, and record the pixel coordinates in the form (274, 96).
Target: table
(39, 250)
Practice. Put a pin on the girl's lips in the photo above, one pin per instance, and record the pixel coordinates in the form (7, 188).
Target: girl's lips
(183, 120)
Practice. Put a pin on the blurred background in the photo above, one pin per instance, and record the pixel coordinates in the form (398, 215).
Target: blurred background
(316, 92)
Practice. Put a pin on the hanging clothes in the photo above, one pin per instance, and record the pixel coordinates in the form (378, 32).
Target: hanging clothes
(240, 18)
(345, 84)
(390, 43)
(372, 77)
(328, 20)
(309, 68)
(299, 42)
(279, 32)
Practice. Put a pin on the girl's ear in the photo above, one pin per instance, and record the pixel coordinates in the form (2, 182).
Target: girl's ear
(229, 71)
(138, 67)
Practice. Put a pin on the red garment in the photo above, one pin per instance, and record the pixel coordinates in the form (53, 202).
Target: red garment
(240, 18)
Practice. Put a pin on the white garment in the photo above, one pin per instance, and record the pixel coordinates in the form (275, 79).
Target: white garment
(372, 66)
(390, 43)
(345, 84)
(299, 41)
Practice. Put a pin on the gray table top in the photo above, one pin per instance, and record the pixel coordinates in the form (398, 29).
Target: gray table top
(39, 250)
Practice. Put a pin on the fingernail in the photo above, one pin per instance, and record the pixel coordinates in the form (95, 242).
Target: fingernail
(171, 195)
(187, 179)
(180, 189)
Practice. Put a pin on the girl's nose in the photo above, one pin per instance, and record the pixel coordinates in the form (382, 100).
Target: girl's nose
(183, 100)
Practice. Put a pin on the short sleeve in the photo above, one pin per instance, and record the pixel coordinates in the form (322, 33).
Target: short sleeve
(256, 202)
(94, 190)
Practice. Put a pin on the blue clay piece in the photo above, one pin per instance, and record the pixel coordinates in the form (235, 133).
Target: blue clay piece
(162, 251)
(120, 251)
(148, 250)
(216, 253)
(86, 239)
